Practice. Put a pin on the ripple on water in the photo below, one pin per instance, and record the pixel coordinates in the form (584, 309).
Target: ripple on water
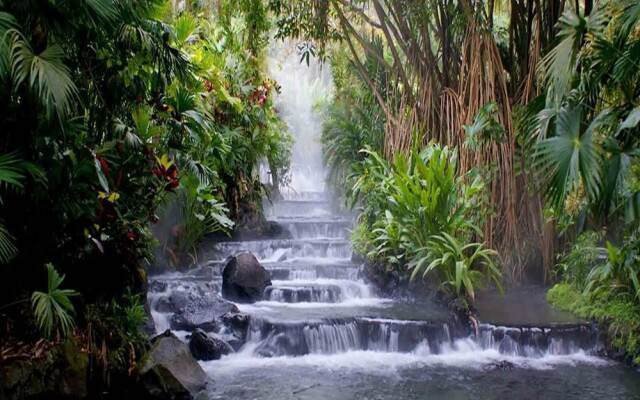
(460, 374)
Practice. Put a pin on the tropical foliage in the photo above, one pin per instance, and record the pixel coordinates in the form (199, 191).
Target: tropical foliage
(430, 219)
(538, 99)
(53, 309)
(131, 129)
(587, 137)
(475, 139)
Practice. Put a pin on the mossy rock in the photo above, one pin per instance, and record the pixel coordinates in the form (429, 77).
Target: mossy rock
(61, 373)
(170, 372)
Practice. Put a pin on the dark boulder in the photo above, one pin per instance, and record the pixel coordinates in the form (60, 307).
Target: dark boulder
(383, 279)
(244, 279)
(208, 347)
(237, 322)
(201, 312)
(170, 371)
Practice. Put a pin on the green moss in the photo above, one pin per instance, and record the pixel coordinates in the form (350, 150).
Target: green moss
(564, 296)
(618, 312)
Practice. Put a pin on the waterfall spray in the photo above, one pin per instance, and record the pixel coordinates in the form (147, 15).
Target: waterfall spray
(302, 86)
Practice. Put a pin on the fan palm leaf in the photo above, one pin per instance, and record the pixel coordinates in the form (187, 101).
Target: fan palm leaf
(101, 11)
(45, 73)
(571, 156)
(8, 249)
(558, 67)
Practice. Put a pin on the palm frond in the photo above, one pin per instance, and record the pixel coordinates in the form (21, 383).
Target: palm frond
(8, 249)
(12, 171)
(53, 308)
(45, 73)
(571, 157)
(558, 67)
(185, 29)
(102, 11)
(630, 15)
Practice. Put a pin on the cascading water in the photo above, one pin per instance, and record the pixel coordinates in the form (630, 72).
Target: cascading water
(321, 332)
(302, 87)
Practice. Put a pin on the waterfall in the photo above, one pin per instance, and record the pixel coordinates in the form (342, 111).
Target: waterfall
(302, 87)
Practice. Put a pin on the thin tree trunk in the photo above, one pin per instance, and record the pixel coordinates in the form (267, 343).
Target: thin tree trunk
(588, 7)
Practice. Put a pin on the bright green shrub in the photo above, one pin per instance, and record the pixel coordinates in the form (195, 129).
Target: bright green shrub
(421, 215)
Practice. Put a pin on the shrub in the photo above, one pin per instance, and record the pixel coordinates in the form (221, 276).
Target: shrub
(585, 254)
(619, 313)
(428, 213)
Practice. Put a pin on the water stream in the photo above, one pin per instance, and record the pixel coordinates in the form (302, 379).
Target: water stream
(322, 332)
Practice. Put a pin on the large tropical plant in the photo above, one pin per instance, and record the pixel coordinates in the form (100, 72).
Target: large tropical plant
(587, 132)
(423, 217)
(52, 308)
(571, 157)
(13, 172)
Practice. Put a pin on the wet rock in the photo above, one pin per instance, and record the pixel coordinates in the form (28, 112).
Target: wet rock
(386, 281)
(60, 372)
(358, 258)
(201, 313)
(238, 323)
(244, 279)
(164, 305)
(157, 286)
(180, 299)
(208, 347)
(170, 371)
(181, 323)
(503, 365)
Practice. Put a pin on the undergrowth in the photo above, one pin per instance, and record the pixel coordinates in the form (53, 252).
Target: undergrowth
(617, 312)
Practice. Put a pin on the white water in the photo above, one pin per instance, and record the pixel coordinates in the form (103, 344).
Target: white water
(465, 355)
(302, 87)
(271, 307)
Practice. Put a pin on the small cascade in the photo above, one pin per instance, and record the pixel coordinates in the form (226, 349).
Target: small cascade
(297, 294)
(331, 336)
(284, 249)
(298, 208)
(318, 229)
(316, 290)
(537, 342)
